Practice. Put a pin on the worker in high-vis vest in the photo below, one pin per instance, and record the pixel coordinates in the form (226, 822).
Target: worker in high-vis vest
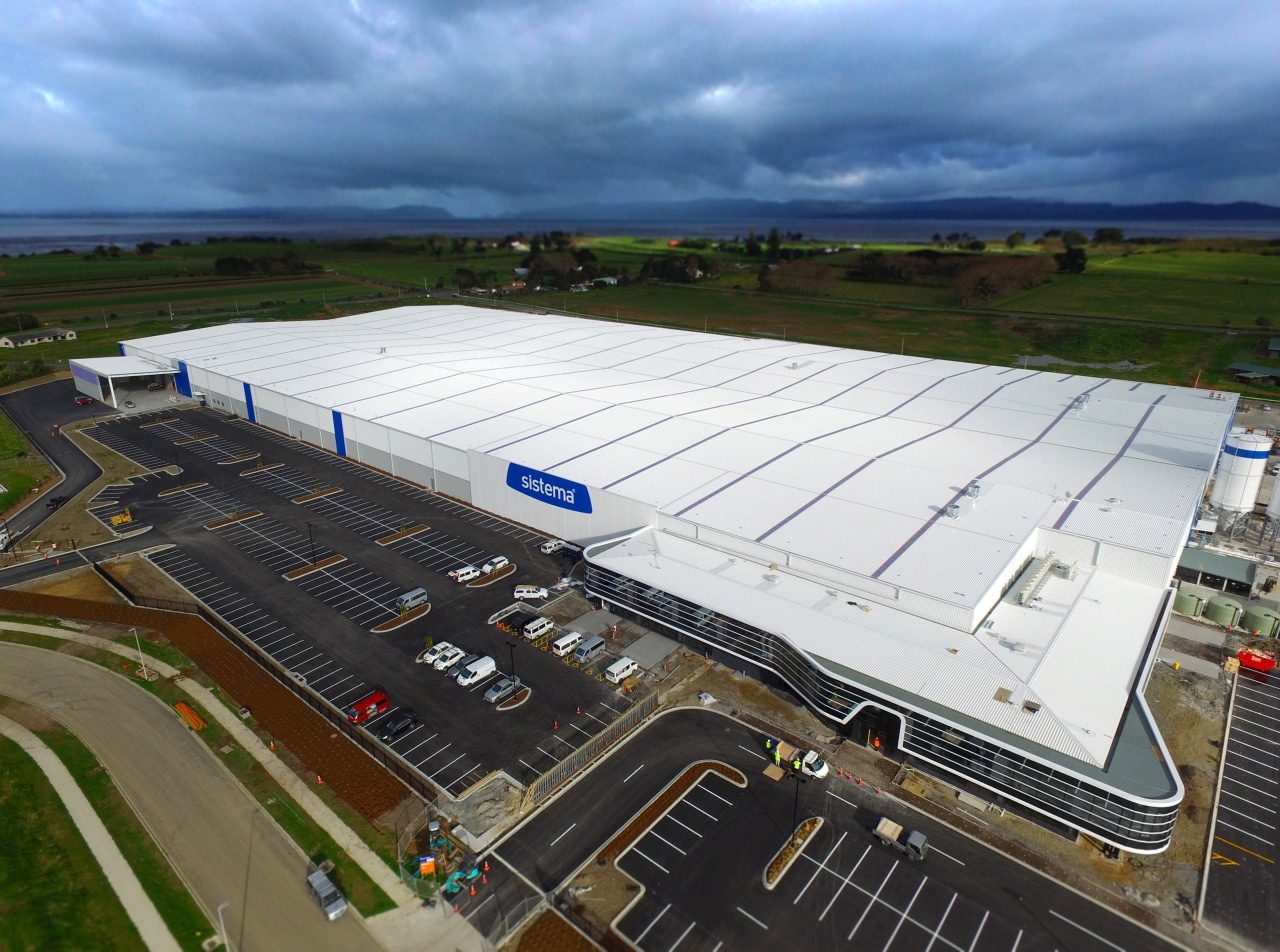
(795, 765)
(777, 756)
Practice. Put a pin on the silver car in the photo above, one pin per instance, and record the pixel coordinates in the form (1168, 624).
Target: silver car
(501, 689)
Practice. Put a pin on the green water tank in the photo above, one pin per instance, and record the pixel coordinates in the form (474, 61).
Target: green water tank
(1188, 603)
(1262, 620)
(1223, 611)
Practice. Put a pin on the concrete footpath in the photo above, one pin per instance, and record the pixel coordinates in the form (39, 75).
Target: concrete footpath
(404, 928)
(155, 934)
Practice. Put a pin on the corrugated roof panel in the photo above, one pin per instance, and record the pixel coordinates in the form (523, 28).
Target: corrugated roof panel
(845, 534)
(812, 467)
(801, 424)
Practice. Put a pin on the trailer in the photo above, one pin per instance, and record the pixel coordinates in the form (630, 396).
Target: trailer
(811, 763)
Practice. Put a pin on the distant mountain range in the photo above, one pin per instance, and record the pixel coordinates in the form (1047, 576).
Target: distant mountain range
(264, 213)
(951, 209)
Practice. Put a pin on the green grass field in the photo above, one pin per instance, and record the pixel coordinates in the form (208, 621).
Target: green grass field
(52, 893)
(20, 470)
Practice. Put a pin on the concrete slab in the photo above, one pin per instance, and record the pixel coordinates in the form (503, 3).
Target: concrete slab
(650, 650)
(1187, 663)
(592, 623)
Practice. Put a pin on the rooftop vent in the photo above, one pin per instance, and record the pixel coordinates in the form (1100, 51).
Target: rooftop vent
(974, 490)
(952, 511)
(1031, 706)
(1002, 695)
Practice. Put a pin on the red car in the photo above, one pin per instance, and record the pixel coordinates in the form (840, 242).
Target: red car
(83, 401)
(367, 707)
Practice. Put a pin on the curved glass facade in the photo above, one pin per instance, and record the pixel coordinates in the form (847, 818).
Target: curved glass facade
(1125, 821)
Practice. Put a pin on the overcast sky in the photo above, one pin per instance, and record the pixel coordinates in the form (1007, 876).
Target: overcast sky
(491, 106)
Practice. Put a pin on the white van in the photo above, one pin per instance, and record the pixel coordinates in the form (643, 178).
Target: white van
(477, 670)
(566, 643)
(551, 547)
(414, 598)
(465, 574)
(589, 649)
(537, 628)
(529, 592)
(620, 670)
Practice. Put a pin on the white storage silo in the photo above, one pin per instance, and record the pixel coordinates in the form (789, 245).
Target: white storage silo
(1240, 469)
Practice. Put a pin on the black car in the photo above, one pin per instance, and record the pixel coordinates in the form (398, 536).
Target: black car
(55, 502)
(397, 724)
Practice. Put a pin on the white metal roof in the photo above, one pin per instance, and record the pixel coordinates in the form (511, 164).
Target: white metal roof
(127, 366)
(845, 459)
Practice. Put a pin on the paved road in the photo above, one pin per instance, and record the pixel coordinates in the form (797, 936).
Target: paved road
(35, 410)
(727, 837)
(222, 845)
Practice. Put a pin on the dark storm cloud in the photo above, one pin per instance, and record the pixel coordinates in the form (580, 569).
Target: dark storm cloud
(494, 106)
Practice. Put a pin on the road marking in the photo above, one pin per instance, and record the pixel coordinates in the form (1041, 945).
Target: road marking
(934, 938)
(714, 794)
(1252, 836)
(685, 825)
(823, 865)
(640, 937)
(974, 944)
(753, 753)
(1249, 851)
(562, 835)
(934, 849)
(655, 863)
(906, 913)
(1017, 941)
(1224, 861)
(1086, 931)
(667, 841)
(682, 935)
(842, 799)
(874, 899)
(751, 917)
(633, 773)
(700, 810)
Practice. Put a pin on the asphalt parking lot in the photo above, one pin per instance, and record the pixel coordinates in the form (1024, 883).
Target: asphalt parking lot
(318, 626)
(1242, 894)
(702, 863)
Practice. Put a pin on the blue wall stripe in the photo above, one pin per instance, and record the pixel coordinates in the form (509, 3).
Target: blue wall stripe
(248, 402)
(1243, 453)
(182, 380)
(339, 440)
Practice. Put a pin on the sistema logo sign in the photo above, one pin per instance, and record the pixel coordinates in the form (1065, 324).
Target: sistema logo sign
(552, 490)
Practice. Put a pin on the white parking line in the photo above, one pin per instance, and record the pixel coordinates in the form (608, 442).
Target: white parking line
(668, 842)
(905, 913)
(640, 937)
(699, 809)
(565, 833)
(1243, 832)
(842, 799)
(753, 753)
(934, 849)
(682, 935)
(630, 775)
(942, 922)
(751, 917)
(1086, 931)
(652, 860)
(685, 825)
(874, 899)
(823, 865)
(714, 794)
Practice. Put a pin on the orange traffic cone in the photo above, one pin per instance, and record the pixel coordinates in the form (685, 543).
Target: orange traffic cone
(555, 725)
(579, 709)
(484, 880)
(473, 889)
(486, 866)
(319, 779)
(273, 745)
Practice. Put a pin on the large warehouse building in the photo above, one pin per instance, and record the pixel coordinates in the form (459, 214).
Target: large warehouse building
(969, 563)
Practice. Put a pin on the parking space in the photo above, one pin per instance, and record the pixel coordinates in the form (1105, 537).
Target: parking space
(1242, 894)
(108, 507)
(359, 594)
(111, 436)
(204, 444)
(444, 763)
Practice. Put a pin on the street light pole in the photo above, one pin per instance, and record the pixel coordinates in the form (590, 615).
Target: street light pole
(313, 544)
(222, 929)
(511, 646)
(795, 806)
(141, 659)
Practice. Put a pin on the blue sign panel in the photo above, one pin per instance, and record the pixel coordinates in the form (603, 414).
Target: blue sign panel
(339, 438)
(248, 403)
(552, 490)
(183, 380)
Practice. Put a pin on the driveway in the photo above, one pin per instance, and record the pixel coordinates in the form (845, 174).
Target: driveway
(221, 844)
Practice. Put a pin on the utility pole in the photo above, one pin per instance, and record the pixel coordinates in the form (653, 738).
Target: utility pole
(313, 544)
(146, 675)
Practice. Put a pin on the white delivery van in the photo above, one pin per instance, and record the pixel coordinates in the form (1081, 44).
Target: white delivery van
(588, 649)
(477, 670)
(620, 670)
(412, 599)
(537, 628)
(566, 643)
(465, 574)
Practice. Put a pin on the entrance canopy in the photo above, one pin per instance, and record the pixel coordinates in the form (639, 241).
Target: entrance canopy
(97, 376)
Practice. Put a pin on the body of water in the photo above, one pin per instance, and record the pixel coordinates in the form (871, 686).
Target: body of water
(39, 235)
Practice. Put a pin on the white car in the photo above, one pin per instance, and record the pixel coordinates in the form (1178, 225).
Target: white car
(432, 654)
(465, 574)
(495, 563)
(449, 657)
(529, 592)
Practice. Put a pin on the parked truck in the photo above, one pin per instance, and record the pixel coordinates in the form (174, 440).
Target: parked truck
(911, 842)
(811, 764)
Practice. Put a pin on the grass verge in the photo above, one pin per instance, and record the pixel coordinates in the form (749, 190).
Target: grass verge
(53, 895)
(360, 890)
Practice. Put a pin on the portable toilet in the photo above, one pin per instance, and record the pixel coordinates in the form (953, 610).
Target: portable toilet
(1264, 621)
(1188, 603)
(1223, 611)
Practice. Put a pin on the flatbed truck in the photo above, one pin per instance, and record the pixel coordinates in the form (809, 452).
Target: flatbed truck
(911, 842)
